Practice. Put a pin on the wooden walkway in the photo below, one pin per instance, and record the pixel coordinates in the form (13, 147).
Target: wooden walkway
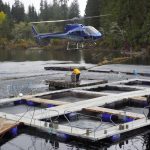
(115, 112)
(93, 135)
(128, 69)
(45, 101)
(31, 118)
(6, 125)
(78, 106)
(139, 99)
(65, 84)
(44, 126)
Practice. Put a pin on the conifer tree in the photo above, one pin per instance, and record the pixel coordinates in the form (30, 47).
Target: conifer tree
(74, 9)
(17, 11)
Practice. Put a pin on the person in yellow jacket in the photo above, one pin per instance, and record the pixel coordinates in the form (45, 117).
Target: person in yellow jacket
(77, 73)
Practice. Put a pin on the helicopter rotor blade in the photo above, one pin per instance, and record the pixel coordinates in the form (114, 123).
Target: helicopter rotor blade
(90, 17)
(73, 19)
(53, 21)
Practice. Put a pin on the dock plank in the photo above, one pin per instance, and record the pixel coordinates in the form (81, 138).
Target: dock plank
(41, 125)
(69, 84)
(115, 130)
(140, 98)
(46, 101)
(115, 112)
(6, 125)
(78, 106)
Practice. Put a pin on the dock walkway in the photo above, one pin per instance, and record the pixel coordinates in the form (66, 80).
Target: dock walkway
(78, 106)
(7, 124)
(128, 69)
(69, 84)
(115, 112)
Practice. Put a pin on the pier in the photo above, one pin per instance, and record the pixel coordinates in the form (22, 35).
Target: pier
(76, 102)
(62, 84)
(7, 124)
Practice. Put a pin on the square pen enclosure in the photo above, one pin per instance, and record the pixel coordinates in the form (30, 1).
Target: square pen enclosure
(140, 83)
(70, 96)
(111, 89)
(20, 106)
(137, 105)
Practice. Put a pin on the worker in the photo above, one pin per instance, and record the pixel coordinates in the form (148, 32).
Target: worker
(77, 74)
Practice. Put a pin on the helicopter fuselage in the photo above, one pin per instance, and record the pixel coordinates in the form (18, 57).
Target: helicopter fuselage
(73, 32)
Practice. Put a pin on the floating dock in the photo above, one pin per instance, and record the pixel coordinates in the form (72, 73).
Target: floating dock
(120, 68)
(6, 125)
(62, 84)
(83, 101)
(68, 67)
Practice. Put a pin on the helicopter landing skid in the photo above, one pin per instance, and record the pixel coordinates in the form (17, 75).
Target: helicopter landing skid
(77, 46)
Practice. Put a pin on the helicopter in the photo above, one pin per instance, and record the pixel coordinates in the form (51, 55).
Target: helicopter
(77, 33)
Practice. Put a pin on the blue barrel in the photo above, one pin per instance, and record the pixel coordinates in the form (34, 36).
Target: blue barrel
(115, 138)
(127, 119)
(72, 116)
(30, 103)
(145, 103)
(50, 105)
(14, 131)
(63, 136)
(19, 102)
(106, 117)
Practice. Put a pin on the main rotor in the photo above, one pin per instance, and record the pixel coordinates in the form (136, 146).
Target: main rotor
(71, 20)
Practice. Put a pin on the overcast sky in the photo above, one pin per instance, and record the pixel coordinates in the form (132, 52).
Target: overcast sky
(36, 3)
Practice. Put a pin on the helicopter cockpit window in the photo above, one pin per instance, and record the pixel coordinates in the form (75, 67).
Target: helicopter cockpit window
(90, 30)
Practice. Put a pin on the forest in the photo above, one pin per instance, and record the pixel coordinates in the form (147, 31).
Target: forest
(15, 29)
(126, 26)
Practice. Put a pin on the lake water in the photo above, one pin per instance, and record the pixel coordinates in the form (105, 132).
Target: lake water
(24, 70)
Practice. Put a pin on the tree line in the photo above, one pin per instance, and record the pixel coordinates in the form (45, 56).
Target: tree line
(127, 25)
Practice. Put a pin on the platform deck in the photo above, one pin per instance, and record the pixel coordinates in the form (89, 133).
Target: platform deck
(139, 98)
(93, 135)
(6, 125)
(46, 101)
(68, 67)
(41, 125)
(68, 84)
(115, 112)
(128, 69)
(78, 106)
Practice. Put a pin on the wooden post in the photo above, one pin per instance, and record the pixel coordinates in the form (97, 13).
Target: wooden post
(148, 102)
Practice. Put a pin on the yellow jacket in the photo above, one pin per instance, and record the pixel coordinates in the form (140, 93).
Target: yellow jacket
(76, 71)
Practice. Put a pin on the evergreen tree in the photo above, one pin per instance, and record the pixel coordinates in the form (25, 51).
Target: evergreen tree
(17, 11)
(56, 12)
(41, 9)
(45, 15)
(64, 8)
(93, 9)
(32, 14)
(74, 9)
(5, 8)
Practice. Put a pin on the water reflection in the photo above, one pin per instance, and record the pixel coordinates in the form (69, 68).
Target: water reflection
(90, 55)
(77, 56)
(37, 140)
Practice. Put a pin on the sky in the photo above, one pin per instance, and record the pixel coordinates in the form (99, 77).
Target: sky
(36, 4)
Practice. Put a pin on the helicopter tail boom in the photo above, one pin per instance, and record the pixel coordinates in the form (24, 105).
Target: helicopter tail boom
(34, 31)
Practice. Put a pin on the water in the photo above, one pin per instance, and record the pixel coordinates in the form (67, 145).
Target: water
(21, 71)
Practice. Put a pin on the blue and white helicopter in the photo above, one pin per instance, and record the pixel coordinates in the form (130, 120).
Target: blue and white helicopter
(77, 33)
